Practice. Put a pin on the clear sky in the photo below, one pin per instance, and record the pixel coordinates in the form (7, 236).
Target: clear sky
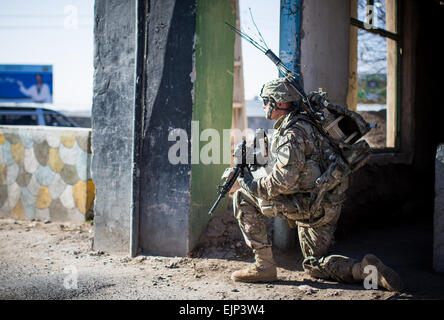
(258, 69)
(60, 33)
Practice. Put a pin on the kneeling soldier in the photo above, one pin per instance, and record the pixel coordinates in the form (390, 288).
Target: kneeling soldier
(300, 152)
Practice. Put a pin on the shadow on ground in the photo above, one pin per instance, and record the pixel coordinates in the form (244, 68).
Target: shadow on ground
(406, 246)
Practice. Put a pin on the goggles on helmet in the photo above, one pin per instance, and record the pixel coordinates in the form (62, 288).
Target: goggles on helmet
(270, 101)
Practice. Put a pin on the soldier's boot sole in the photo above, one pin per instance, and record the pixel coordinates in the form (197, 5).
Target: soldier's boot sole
(252, 275)
(387, 277)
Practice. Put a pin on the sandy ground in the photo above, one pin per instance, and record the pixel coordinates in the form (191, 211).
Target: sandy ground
(38, 259)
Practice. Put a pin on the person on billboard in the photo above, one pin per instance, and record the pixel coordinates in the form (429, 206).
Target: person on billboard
(38, 92)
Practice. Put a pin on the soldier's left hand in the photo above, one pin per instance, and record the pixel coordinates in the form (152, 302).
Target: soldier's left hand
(248, 182)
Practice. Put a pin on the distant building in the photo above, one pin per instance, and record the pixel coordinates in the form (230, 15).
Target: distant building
(372, 88)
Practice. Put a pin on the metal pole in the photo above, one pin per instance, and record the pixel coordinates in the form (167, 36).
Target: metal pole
(290, 35)
(290, 54)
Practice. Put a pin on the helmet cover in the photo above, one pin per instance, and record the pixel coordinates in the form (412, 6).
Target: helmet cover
(280, 90)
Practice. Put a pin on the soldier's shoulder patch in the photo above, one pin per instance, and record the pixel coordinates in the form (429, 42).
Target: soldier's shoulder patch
(284, 154)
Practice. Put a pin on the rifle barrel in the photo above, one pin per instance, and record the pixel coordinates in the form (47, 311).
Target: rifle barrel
(216, 203)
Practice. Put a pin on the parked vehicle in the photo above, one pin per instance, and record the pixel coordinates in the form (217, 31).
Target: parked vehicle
(22, 115)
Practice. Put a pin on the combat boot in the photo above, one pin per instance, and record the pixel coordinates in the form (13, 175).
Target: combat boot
(387, 278)
(263, 270)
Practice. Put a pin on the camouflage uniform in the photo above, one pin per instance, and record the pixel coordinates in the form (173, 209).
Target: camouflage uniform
(300, 156)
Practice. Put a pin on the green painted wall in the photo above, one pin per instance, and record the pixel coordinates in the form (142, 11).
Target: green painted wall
(213, 100)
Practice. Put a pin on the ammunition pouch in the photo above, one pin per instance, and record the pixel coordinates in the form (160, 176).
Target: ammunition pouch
(309, 207)
(305, 215)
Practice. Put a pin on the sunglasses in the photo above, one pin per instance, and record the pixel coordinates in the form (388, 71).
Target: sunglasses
(269, 101)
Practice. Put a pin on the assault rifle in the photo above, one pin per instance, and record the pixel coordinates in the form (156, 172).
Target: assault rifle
(246, 157)
(230, 175)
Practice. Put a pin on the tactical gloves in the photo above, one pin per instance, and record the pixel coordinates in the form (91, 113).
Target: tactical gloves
(247, 181)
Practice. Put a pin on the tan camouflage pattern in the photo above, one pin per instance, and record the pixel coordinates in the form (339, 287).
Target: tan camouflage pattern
(280, 90)
(250, 218)
(315, 243)
(292, 171)
(285, 193)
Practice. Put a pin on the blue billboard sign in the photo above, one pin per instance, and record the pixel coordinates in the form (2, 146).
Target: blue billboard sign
(26, 83)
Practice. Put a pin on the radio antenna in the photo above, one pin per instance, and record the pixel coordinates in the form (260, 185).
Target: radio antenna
(257, 29)
(247, 37)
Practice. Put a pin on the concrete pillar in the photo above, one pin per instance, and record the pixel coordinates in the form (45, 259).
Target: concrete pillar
(165, 187)
(159, 66)
(438, 220)
(112, 122)
(189, 77)
(325, 47)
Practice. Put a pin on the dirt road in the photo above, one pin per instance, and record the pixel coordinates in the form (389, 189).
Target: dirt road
(41, 260)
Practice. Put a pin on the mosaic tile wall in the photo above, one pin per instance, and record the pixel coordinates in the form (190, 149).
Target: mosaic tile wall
(45, 173)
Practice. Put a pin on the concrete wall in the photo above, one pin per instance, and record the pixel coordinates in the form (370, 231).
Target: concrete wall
(45, 173)
(112, 122)
(428, 112)
(325, 47)
(438, 220)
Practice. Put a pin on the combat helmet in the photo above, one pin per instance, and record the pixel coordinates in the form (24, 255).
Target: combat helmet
(280, 90)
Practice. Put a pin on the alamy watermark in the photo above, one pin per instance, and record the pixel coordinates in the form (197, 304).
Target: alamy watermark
(71, 21)
(371, 280)
(208, 146)
(370, 17)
